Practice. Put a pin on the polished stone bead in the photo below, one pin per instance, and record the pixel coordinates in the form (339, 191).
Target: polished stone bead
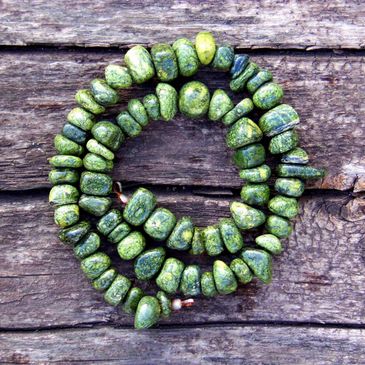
(66, 215)
(190, 281)
(164, 59)
(256, 174)
(85, 98)
(240, 62)
(132, 299)
(95, 205)
(139, 207)
(74, 133)
(205, 47)
(128, 124)
(138, 112)
(119, 232)
(108, 134)
(152, 106)
(243, 133)
(300, 171)
(296, 156)
(197, 243)
(231, 235)
(219, 105)
(223, 58)
(268, 95)
(194, 99)
(81, 118)
(244, 107)
(95, 183)
(103, 93)
(259, 261)
(270, 243)
(283, 142)
(148, 312)
(104, 281)
(118, 77)
(187, 58)
(170, 275)
(213, 241)
(72, 235)
(165, 303)
(289, 186)
(63, 194)
(284, 206)
(131, 246)
(117, 290)
(255, 194)
(278, 226)
(258, 80)
(139, 63)
(87, 246)
(65, 146)
(182, 234)
(245, 216)
(65, 161)
(160, 224)
(149, 263)
(239, 83)
(109, 221)
(94, 146)
(93, 266)
(167, 98)
(63, 176)
(207, 284)
(97, 163)
(224, 278)
(241, 270)
(249, 156)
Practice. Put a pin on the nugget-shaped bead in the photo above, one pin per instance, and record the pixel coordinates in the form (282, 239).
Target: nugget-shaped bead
(258, 80)
(87, 246)
(148, 312)
(138, 112)
(165, 62)
(85, 98)
(131, 246)
(103, 93)
(205, 47)
(270, 243)
(95, 205)
(128, 124)
(207, 284)
(94, 265)
(117, 290)
(187, 58)
(242, 133)
(223, 58)
(74, 133)
(249, 156)
(241, 270)
(118, 77)
(139, 63)
(246, 217)
(65, 146)
(256, 174)
(303, 172)
(170, 275)
(63, 194)
(255, 194)
(94, 146)
(268, 95)
(152, 106)
(66, 215)
(149, 263)
(240, 62)
(72, 235)
(260, 263)
(219, 105)
(165, 303)
(63, 176)
(81, 118)
(224, 278)
(242, 108)
(284, 206)
(197, 243)
(109, 134)
(132, 299)
(119, 232)
(194, 99)
(296, 156)
(109, 221)
(190, 281)
(160, 224)
(231, 235)
(239, 83)
(104, 281)
(278, 226)
(167, 98)
(283, 142)
(289, 186)
(212, 239)
(94, 183)
(97, 163)
(65, 161)
(182, 234)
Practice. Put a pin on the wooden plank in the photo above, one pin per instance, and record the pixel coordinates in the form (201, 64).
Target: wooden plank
(318, 278)
(326, 89)
(285, 24)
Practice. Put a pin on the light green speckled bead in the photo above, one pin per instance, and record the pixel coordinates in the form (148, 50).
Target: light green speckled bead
(244, 107)
(284, 206)
(270, 243)
(80, 118)
(256, 174)
(289, 186)
(255, 194)
(249, 156)
(148, 312)
(242, 133)
(187, 58)
(167, 97)
(190, 281)
(160, 224)
(164, 59)
(213, 241)
(197, 243)
(85, 98)
(296, 156)
(223, 58)
(131, 246)
(94, 265)
(139, 63)
(65, 146)
(165, 303)
(132, 299)
(152, 106)
(109, 221)
(194, 99)
(170, 275)
(224, 278)
(67, 161)
(260, 263)
(95, 183)
(241, 270)
(94, 146)
(246, 217)
(301, 171)
(182, 234)
(109, 134)
(207, 284)
(87, 246)
(128, 124)
(219, 105)
(103, 93)
(119, 232)
(258, 80)
(205, 47)
(138, 112)
(239, 83)
(72, 235)
(104, 281)
(63, 194)
(97, 163)
(231, 235)
(95, 205)
(278, 226)
(268, 95)
(63, 176)
(117, 290)
(283, 142)
(118, 77)
(66, 215)
(149, 263)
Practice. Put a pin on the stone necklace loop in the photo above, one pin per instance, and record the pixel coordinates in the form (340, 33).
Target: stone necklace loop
(86, 148)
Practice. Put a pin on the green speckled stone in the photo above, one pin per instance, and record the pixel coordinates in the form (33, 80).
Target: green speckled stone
(165, 303)
(119, 232)
(231, 235)
(283, 142)
(87, 246)
(245, 216)
(289, 186)
(104, 281)
(164, 59)
(255, 194)
(138, 112)
(241, 270)
(148, 263)
(258, 80)
(205, 47)
(132, 299)
(268, 95)
(224, 278)
(66, 215)
(139, 207)
(207, 284)
(81, 118)
(74, 133)
(103, 93)
(242, 133)
(190, 281)
(94, 183)
(278, 226)
(167, 97)
(97, 163)
(95, 205)
(303, 172)
(187, 58)
(160, 224)
(284, 206)
(63, 194)
(94, 146)
(63, 176)
(219, 105)
(109, 221)
(170, 275)
(213, 241)
(148, 312)
(240, 62)
(65, 161)
(296, 156)
(223, 58)
(194, 99)
(118, 77)
(72, 235)
(256, 174)
(139, 63)
(94, 265)
(152, 106)
(85, 98)
(244, 107)
(128, 124)
(259, 262)
(117, 290)
(239, 83)
(197, 243)
(249, 156)
(65, 146)
(131, 246)
(109, 134)
(270, 243)
(182, 234)
(278, 119)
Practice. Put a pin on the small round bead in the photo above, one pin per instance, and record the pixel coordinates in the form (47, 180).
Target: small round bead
(223, 58)
(231, 235)
(117, 290)
(128, 124)
(81, 118)
(87, 246)
(95, 205)
(109, 221)
(170, 275)
(108, 134)
(165, 61)
(94, 146)
(246, 217)
(241, 270)
(289, 186)
(63, 176)
(138, 112)
(74, 133)
(240, 62)
(167, 98)
(103, 93)
(118, 77)
(260, 263)
(283, 142)
(244, 107)
(224, 278)
(258, 80)
(148, 312)
(72, 235)
(190, 281)
(256, 174)
(239, 83)
(284, 206)
(182, 234)
(255, 194)
(131, 246)
(148, 263)
(278, 226)
(249, 156)
(132, 299)
(65, 146)
(97, 163)
(194, 99)
(94, 265)
(65, 161)
(66, 215)
(139, 63)
(220, 104)
(208, 285)
(243, 133)
(85, 98)
(63, 194)
(270, 243)
(268, 96)
(104, 281)
(187, 58)
(152, 106)
(160, 224)
(212, 239)
(205, 47)
(95, 183)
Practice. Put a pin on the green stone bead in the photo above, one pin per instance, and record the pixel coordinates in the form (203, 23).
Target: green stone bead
(289, 186)
(103, 93)
(182, 234)
(170, 275)
(139, 63)
(279, 119)
(131, 300)
(94, 265)
(63, 194)
(239, 83)
(66, 215)
(65, 146)
(241, 270)
(109, 134)
(94, 146)
(220, 104)
(259, 262)
(72, 235)
(255, 194)
(284, 206)
(205, 47)
(128, 124)
(119, 232)
(97, 163)
(278, 226)
(190, 281)
(296, 156)
(244, 107)
(152, 106)
(87, 246)
(95, 205)
(231, 235)
(63, 176)
(240, 63)
(167, 98)
(74, 133)
(138, 112)
(85, 98)
(131, 246)
(117, 290)
(207, 284)
(268, 96)
(212, 239)
(104, 281)
(94, 183)
(187, 58)
(194, 99)
(165, 303)
(118, 77)
(197, 243)
(257, 174)
(270, 243)
(224, 278)
(139, 207)
(69, 161)
(149, 263)
(303, 172)
(160, 224)
(242, 133)
(258, 80)
(249, 156)
(164, 59)
(223, 58)
(81, 118)
(148, 313)
(283, 142)
(245, 216)
(109, 221)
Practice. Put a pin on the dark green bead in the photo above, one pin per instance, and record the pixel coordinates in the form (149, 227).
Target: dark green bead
(160, 224)
(138, 112)
(139, 63)
(139, 207)
(66, 215)
(194, 99)
(303, 172)
(170, 275)
(132, 299)
(81, 118)
(289, 186)
(297, 156)
(65, 161)
(197, 243)
(245, 216)
(74, 133)
(182, 234)
(63, 194)
(94, 265)
(256, 174)
(128, 124)
(75, 233)
(244, 107)
(224, 278)
(119, 232)
(94, 183)
(148, 263)
(239, 83)
(258, 80)
(207, 284)
(270, 243)
(212, 239)
(109, 221)
(167, 98)
(103, 93)
(240, 62)
(65, 146)
(97, 163)
(284, 206)
(187, 58)
(117, 290)
(241, 270)
(268, 96)
(164, 59)
(63, 176)
(249, 156)
(165, 303)
(85, 98)
(259, 262)
(242, 133)
(104, 281)
(131, 246)
(118, 77)
(190, 281)
(255, 194)
(148, 312)
(205, 47)
(87, 246)
(223, 58)
(231, 235)
(152, 106)
(109, 134)
(278, 226)
(283, 142)
(220, 104)
(94, 146)
(95, 205)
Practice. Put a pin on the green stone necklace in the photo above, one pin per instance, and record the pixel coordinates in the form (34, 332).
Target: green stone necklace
(87, 144)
